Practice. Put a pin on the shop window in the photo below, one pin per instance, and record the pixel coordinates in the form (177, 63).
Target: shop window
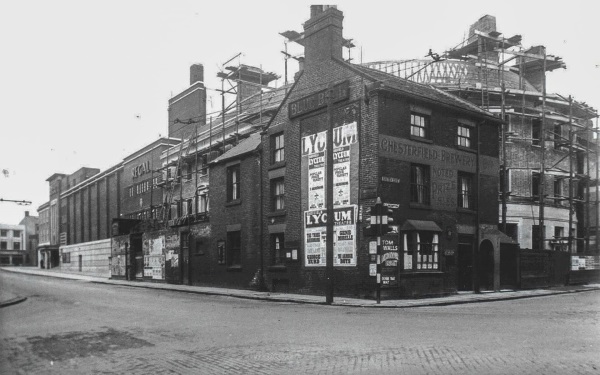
(421, 250)
(234, 249)
(465, 191)
(277, 148)
(277, 248)
(419, 184)
(419, 125)
(277, 194)
(233, 183)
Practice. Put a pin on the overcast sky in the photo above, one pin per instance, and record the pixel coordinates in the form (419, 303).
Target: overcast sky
(86, 83)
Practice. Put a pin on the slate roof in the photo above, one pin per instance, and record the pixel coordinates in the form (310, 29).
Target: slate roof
(417, 90)
(244, 147)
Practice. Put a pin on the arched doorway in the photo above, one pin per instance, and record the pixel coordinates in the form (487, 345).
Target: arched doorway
(486, 265)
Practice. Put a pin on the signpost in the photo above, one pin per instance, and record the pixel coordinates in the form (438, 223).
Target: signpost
(381, 219)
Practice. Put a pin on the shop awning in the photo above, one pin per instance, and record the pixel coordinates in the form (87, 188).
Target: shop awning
(423, 225)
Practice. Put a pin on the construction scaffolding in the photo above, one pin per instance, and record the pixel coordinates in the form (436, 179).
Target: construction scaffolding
(547, 141)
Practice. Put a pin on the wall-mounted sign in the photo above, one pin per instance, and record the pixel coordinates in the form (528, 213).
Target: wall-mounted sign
(141, 169)
(318, 100)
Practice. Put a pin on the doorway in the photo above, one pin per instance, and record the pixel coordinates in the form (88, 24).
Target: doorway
(185, 258)
(465, 263)
(80, 262)
(486, 265)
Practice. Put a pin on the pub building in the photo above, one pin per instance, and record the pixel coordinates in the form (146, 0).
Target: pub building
(431, 159)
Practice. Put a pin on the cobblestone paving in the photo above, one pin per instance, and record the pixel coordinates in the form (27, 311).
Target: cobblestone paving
(97, 354)
(75, 328)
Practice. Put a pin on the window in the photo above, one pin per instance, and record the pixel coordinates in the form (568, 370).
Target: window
(419, 125)
(234, 249)
(66, 257)
(558, 188)
(536, 130)
(3, 233)
(277, 147)
(187, 207)
(130, 191)
(557, 136)
(277, 248)
(535, 185)
(421, 250)
(465, 191)
(464, 136)
(3, 245)
(16, 246)
(233, 183)
(419, 184)
(188, 171)
(203, 203)
(278, 194)
(16, 233)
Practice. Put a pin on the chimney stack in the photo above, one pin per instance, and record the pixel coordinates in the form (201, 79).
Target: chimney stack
(196, 73)
(323, 34)
(26, 213)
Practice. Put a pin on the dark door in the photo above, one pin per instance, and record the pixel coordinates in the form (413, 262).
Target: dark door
(80, 262)
(465, 263)
(137, 257)
(486, 265)
(185, 258)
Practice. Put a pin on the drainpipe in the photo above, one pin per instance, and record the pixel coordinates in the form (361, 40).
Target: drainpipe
(476, 287)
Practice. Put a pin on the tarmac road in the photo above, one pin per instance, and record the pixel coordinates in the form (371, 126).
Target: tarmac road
(75, 327)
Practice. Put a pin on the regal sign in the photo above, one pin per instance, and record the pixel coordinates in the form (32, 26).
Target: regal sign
(141, 169)
(318, 100)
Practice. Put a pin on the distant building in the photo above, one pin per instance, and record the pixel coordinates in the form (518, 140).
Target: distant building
(31, 224)
(13, 245)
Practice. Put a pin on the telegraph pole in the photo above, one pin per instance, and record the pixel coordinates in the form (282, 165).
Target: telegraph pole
(329, 199)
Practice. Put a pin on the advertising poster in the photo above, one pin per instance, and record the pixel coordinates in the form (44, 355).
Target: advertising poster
(316, 181)
(314, 160)
(389, 260)
(344, 246)
(341, 176)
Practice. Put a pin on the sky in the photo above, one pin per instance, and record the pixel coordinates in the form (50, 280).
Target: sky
(87, 83)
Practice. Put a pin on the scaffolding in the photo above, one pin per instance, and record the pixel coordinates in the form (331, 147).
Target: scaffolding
(478, 70)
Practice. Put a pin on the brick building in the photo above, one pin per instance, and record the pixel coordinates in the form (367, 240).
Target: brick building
(547, 144)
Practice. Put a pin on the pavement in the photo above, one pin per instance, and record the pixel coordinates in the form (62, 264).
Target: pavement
(7, 298)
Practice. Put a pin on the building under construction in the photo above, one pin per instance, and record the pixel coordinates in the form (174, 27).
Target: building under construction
(549, 147)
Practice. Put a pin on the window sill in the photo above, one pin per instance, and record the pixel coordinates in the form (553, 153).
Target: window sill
(420, 272)
(420, 139)
(277, 268)
(234, 268)
(279, 164)
(277, 213)
(420, 206)
(466, 149)
(466, 210)
(233, 203)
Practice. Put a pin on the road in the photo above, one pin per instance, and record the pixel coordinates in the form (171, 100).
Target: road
(76, 327)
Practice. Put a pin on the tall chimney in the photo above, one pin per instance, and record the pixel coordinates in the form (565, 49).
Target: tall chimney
(196, 73)
(323, 34)
(26, 213)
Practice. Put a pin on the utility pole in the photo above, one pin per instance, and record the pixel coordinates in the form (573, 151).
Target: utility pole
(542, 182)
(329, 199)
